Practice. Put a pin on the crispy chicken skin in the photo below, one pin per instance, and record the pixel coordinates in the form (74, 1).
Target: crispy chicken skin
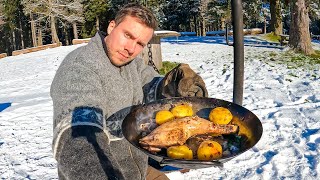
(177, 132)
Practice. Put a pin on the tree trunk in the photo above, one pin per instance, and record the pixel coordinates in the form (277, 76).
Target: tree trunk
(40, 43)
(66, 35)
(75, 31)
(21, 34)
(97, 23)
(223, 23)
(33, 31)
(54, 35)
(203, 27)
(13, 41)
(196, 25)
(276, 17)
(299, 39)
(265, 25)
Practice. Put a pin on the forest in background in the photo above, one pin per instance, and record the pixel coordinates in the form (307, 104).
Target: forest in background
(30, 23)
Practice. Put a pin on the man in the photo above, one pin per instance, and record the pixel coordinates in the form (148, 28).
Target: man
(93, 90)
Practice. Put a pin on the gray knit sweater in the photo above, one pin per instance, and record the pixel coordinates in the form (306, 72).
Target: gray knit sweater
(91, 97)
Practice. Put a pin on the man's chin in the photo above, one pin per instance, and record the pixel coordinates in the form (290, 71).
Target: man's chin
(120, 63)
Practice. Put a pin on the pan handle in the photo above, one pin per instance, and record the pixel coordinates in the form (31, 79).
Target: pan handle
(190, 164)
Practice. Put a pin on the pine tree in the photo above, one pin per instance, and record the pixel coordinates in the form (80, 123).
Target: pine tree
(13, 25)
(44, 10)
(9, 9)
(94, 12)
(72, 12)
(53, 10)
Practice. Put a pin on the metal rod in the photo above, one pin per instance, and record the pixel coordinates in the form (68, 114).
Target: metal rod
(238, 46)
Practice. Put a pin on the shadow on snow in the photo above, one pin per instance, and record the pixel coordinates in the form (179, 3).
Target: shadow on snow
(248, 41)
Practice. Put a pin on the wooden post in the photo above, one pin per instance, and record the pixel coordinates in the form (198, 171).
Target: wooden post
(156, 47)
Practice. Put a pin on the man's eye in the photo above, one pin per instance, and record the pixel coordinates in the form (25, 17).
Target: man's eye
(126, 35)
(142, 45)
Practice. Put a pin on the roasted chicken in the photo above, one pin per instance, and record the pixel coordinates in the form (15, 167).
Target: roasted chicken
(176, 132)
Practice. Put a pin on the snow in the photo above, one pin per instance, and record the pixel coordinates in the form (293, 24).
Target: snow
(286, 100)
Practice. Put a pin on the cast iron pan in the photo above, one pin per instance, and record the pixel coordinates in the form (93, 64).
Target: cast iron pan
(140, 122)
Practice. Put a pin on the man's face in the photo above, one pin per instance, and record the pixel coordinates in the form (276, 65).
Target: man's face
(126, 40)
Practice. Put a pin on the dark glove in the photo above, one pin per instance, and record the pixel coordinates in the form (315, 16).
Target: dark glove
(183, 81)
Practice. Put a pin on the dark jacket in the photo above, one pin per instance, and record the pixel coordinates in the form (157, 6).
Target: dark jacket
(90, 99)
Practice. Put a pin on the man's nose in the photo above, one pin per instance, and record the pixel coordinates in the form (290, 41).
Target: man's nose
(130, 47)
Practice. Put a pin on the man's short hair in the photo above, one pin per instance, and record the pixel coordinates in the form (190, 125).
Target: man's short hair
(138, 11)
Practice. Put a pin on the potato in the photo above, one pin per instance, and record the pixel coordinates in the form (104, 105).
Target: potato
(163, 116)
(182, 110)
(180, 152)
(220, 115)
(209, 150)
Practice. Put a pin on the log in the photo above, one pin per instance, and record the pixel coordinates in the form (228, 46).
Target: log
(80, 41)
(2, 55)
(34, 49)
(256, 31)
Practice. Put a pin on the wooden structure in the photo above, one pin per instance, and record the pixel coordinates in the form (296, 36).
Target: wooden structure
(153, 49)
(2, 55)
(34, 49)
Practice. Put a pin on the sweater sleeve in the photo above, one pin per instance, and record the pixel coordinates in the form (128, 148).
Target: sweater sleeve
(79, 140)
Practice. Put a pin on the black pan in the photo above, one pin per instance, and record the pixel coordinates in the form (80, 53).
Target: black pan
(140, 121)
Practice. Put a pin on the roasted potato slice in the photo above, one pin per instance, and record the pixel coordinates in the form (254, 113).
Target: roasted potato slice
(209, 150)
(163, 116)
(182, 110)
(220, 115)
(180, 152)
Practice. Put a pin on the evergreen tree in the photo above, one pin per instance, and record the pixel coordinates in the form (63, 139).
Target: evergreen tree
(253, 13)
(314, 13)
(45, 10)
(14, 26)
(178, 14)
(95, 13)
(220, 13)
(72, 12)
(53, 10)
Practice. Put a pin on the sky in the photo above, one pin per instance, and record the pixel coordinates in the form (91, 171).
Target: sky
(285, 98)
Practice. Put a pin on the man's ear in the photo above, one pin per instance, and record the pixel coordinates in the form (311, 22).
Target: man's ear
(111, 26)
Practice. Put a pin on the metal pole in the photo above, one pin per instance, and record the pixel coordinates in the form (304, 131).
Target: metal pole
(238, 46)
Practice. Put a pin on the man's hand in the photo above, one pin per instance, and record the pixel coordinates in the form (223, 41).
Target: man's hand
(183, 81)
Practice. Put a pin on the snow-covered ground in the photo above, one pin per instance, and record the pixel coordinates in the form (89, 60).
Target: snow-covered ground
(287, 101)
